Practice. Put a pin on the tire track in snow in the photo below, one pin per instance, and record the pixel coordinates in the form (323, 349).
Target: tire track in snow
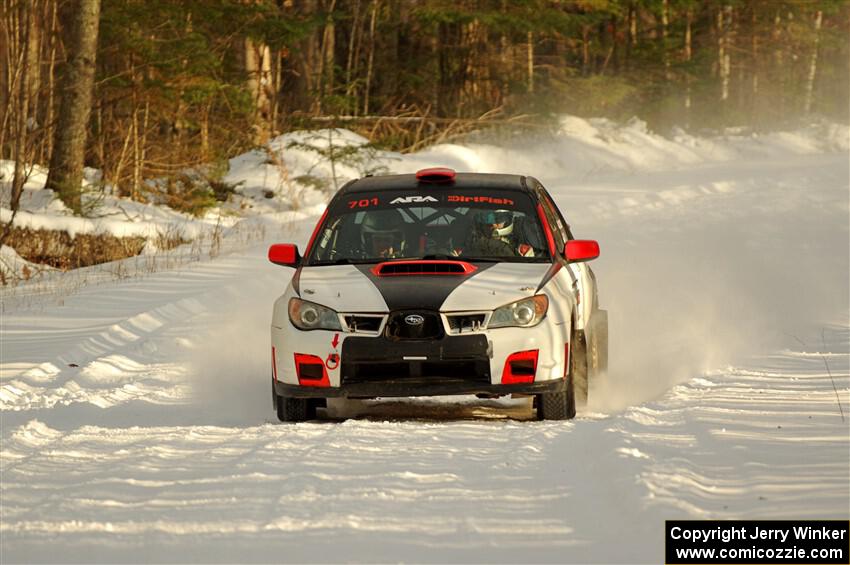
(111, 363)
(277, 484)
(773, 436)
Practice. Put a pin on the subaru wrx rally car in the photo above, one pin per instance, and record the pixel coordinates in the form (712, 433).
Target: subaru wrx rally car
(438, 283)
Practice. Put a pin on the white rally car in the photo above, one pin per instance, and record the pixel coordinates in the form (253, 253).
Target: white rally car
(438, 283)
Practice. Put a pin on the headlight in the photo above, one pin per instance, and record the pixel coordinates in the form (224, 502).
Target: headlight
(311, 316)
(522, 313)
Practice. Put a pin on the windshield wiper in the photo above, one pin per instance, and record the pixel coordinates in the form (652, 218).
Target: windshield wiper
(340, 261)
(445, 257)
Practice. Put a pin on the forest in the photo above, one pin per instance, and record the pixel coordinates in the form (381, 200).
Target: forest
(143, 89)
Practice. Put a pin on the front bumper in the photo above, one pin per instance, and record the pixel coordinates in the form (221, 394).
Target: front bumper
(416, 387)
(390, 363)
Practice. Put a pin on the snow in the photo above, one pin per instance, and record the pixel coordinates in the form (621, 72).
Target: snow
(109, 214)
(137, 423)
(13, 267)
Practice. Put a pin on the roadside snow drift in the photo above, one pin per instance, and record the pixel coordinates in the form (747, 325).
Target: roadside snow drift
(137, 422)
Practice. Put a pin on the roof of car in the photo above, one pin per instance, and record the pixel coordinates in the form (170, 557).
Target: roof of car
(461, 180)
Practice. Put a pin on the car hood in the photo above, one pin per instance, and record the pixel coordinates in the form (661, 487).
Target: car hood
(355, 288)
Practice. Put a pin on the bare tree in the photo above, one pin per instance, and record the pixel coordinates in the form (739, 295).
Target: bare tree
(813, 66)
(66, 161)
(258, 66)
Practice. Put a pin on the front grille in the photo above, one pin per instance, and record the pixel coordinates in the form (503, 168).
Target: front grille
(363, 323)
(461, 323)
(462, 358)
(414, 324)
(432, 371)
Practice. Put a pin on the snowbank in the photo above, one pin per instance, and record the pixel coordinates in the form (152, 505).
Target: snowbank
(304, 168)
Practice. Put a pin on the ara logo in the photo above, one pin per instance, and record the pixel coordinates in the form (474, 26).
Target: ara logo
(415, 199)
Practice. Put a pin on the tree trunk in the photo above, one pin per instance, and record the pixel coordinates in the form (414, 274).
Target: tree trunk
(688, 56)
(371, 60)
(724, 17)
(530, 61)
(754, 79)
(23, 102)
(49, 126)
(11, 58)
(779, 60)
(813, 66)
(585, 51)
(257, 59)
(353, 46)
(665, 22)
(326, 59)
(277, 87)
(308, 80)
(33, 43)
(66, 162)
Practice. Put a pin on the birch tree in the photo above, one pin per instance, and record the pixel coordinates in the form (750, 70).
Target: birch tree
(66, 161)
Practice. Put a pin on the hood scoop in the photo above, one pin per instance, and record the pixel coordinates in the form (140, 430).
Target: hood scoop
(423, 267)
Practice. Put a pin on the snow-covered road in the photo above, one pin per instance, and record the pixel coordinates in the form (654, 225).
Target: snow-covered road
(137, 423)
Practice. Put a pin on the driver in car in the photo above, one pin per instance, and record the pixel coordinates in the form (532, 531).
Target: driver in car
(493, 236)
(382, 234)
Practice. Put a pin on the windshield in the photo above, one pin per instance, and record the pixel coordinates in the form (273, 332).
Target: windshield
(468, 224)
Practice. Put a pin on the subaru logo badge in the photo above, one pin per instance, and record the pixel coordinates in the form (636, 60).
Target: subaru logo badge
(414, 320)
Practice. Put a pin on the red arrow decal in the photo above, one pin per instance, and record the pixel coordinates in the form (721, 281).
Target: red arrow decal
(335, 342)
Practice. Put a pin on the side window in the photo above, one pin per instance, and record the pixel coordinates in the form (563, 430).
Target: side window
(562, 226)
(555, 225)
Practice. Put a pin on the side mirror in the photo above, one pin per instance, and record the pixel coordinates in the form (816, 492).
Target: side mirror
(285, 254)
(577, 250)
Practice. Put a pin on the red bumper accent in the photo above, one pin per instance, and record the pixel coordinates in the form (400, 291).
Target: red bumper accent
(520, 367)
(311, 370)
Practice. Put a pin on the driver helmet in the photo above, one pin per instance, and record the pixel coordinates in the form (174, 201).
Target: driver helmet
(382, 230)
(500, 223)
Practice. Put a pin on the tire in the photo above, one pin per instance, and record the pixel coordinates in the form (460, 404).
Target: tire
(293, 409)
(558, 405)
(579, 368)
(597, 351)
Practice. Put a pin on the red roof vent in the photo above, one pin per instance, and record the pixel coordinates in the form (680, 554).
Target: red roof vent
(423, 267)
(436, 174)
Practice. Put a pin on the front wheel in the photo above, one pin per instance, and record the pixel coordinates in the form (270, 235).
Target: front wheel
(292, 409)
(597, 346)
(589, 356)
(559, 405)
(556, 405)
